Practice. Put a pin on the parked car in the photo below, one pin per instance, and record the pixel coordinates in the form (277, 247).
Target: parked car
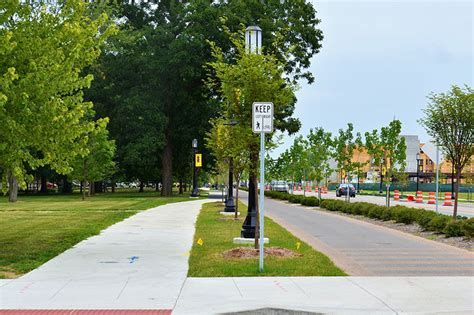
(341, 190)
(279, 185)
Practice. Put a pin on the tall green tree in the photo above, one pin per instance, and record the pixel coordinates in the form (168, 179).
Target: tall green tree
(43, 52)
(253, 77)
(98, 163)
(320, 147)
(449, 120)
(344, 145)
(161, 57)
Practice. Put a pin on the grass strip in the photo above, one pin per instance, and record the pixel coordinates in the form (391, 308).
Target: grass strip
(217, 233)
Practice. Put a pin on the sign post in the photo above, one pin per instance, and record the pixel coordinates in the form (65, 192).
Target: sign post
(262, 122)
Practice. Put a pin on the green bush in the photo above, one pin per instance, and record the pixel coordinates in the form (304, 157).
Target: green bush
(386, 214)
(310, 201)
(376, 212)
(295, 198)
(453, 228)
(438, 223)
(325, 203)
(402, 214)
(360, 208)
(467, 227)
(424, 218)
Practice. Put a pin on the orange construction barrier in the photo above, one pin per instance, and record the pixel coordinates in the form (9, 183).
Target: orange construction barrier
(299, 187)
(447, 199)
(324, 190)
(419, 197)
(316, 189)
(396, 195)
(431, 198)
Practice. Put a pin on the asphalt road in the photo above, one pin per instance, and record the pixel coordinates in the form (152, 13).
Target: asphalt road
(465, 209)
(365, 249)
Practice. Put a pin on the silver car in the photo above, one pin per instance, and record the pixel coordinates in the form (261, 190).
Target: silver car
(279, 185)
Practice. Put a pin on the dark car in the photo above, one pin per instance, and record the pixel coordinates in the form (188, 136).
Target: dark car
(341, 190)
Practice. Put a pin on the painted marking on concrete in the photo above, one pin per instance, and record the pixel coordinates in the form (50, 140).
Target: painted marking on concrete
(133, 259)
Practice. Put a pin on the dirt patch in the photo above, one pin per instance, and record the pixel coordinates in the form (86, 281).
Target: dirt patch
(8, 275)
(249, 252)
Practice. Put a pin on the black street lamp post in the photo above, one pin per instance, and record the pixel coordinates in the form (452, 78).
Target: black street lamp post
(452, 181)
(253, 44)
(417, 171)
(230, 202)
(195, 192)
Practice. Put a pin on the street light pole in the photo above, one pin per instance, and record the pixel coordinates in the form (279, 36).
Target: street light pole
(195, 192)
(253, 44)
(230, 202)
(417, 171)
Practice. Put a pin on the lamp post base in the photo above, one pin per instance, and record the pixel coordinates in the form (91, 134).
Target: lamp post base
(229, 205)
(248, 228)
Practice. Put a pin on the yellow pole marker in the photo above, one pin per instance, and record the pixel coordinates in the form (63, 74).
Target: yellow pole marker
(200, 242)
(298, 245)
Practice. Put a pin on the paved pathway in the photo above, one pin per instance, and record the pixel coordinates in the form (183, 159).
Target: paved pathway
(140, 262)
(465, 209)
(362, 248)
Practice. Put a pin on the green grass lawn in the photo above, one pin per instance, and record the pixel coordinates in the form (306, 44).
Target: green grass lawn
(217, 233)
(38, 228)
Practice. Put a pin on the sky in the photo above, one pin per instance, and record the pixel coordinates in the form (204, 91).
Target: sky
(380, 60)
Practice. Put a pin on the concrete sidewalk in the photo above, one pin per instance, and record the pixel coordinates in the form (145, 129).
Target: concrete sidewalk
(140, 262)
(333, 295)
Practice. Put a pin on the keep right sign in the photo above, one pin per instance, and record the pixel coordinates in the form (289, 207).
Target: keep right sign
(262, 117)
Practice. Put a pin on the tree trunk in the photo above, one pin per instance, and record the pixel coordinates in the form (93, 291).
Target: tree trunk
(167, 163)
(67, 186)
(44, 185)
(180, 185)
(12, 188)
(141, 187)
(456, 192)
(113, 187)
(253, 178)
(157, 186)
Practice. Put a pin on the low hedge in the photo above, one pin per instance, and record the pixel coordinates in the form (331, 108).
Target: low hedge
(428, 220)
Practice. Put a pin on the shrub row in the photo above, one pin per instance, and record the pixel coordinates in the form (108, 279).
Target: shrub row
(428, 220)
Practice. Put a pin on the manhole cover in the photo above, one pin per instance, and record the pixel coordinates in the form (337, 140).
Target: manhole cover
(273, 311)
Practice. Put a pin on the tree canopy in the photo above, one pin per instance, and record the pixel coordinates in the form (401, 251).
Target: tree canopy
(43, 52)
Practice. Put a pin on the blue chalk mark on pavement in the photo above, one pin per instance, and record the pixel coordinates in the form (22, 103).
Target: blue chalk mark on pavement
(133, 259)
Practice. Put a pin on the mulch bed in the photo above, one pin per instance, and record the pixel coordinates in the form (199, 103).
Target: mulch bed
(249, 252)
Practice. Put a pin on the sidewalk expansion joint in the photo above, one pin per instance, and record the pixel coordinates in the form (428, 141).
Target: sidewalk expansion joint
(370, 293)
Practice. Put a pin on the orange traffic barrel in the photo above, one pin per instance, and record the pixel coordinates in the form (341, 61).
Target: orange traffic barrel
(447, 199)
(396, 194)
(431, 198)
(419, 197)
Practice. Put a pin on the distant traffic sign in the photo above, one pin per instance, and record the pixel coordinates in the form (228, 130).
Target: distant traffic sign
(262, 117)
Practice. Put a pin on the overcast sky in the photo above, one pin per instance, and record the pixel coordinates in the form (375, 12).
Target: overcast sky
(380, 59)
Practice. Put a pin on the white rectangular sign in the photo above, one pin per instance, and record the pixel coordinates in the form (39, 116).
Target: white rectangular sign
(262, 117)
